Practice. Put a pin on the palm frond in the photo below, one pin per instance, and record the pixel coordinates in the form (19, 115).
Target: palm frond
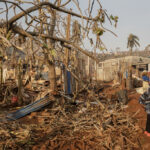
(136, 37)
(132, 41)
(137, 43)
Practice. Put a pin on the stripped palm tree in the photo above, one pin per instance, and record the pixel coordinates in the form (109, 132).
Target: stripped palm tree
(133, 41)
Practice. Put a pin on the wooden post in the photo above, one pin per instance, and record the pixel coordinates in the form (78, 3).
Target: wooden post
(66, 59)
(19, 83)
(137, 70)
(31, 47)
(123, 82)
(1, 71)
(129, 80)
(95, 65)
(87, 75)
(67, 38)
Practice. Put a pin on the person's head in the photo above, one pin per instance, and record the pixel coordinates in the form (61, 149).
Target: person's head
(144, 73)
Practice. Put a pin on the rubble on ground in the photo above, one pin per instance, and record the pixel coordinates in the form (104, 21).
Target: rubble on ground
(95, 120)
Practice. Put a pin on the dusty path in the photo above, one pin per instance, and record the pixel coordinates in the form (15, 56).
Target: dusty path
(136, 109)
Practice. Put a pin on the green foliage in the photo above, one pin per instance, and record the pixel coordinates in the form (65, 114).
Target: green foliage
(115, 19)
(53, 52)
(102, 48)
(45, 45)
(99, 31)
(102, 18)
(8, 36)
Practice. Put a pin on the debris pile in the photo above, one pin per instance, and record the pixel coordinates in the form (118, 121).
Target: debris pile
(9, 95)
(90, 122)
(45, 63)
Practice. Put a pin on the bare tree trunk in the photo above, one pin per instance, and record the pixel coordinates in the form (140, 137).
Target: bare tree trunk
(51, 43)
(67, 53)
(95, 65)
(129, 80)
(52, 77)
(20, 102)
(1, 71)
(131, 50)
(52, 74)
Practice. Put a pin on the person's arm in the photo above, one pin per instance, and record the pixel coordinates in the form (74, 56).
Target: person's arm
(145, 97)
(142, 99)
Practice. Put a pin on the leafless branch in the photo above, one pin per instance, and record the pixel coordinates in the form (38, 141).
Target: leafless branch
(34, 8)
(67, 2)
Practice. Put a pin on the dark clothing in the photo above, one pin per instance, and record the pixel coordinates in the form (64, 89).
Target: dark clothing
(148, 123)
(145, 100)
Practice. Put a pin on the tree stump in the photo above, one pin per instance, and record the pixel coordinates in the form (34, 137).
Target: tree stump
(122, 96)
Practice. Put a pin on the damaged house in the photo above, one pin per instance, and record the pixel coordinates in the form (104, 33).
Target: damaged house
(107, 70)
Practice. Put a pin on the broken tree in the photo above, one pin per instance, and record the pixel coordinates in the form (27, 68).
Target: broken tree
(42, 22)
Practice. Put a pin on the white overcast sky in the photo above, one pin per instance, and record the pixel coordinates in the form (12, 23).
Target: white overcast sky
(134, 17)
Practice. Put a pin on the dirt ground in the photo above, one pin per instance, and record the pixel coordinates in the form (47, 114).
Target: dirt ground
(45, 142)
(138, 111)
(134, 109)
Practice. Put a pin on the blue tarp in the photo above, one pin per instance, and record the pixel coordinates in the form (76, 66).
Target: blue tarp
(69, 83)
(145, 78)
(37, 105)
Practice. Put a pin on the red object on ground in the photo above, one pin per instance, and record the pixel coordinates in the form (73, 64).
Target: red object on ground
(148, 134)
(145, 132)
(14, 99)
